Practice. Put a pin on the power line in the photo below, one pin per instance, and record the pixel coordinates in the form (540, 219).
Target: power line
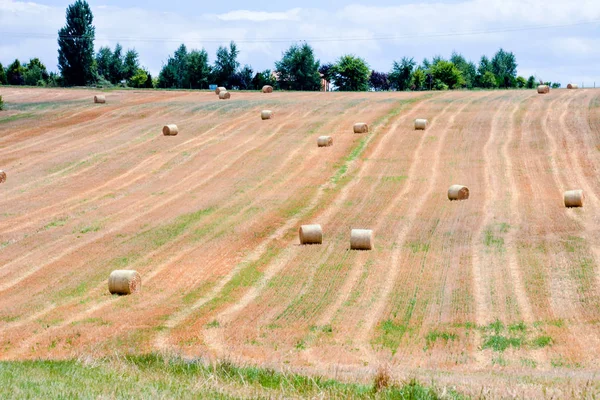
(34, 35)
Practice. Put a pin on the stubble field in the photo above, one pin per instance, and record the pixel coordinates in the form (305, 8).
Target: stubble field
(498, 293)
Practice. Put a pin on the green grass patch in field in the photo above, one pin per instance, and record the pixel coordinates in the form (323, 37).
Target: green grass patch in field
(213, 324)
(418, 247)
(498, 337)
(154, 376)
(57, 222)
(542, 341)
(390, 335)
(491, 240)
(501, 361)
(395, 179)
(159, 236)
(16, 117)
(501, 343)
(433, 336)
(90, 228)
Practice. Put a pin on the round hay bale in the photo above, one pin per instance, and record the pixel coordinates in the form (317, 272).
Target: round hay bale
(123, 281)
(361, 127)
(311, 234)
(170, 130)
(543, 89)
(574, 198)
(100, 99)
(325, 141)
(361, 239)
(458, 192)
(266, 114)
(224, 95)
(220, 89)
(267, 89)
(2, 176)
(572, 86)
(420, 124)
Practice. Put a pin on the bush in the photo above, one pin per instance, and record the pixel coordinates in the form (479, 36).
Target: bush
(1, 104)
(489, 80)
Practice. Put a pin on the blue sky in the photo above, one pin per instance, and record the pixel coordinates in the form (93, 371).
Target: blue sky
(388, 30)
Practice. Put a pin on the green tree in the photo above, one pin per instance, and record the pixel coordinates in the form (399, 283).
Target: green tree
(298, 69)
(167, 78)
(504, 66)
(138, 80)
(131, 64)
(263, 78)
(489, 80)
(103, 62)
(417, 80)
(226, 64)
(484, 66)
(400, 74)
(115, 68)
(198, 69)
(181, 64)
(76, 45)
(466, 68)
(531, 82)
(351, 73)
(1, 104)
(243, 79)
(35, 73)
(14, 73)
(2, 75)
(446, 74)
(521, 82)
(149, 82)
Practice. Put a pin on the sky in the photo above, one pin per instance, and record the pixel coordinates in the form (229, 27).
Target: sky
(555, 40)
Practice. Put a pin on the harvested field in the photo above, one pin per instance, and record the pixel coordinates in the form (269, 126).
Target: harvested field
(500, 292)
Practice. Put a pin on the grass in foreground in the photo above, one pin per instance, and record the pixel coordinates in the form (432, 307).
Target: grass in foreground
(154, 376)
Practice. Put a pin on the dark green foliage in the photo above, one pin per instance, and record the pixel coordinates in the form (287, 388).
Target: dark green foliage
(504, 66)
(351, 73)
(325, 70)
(418, 79)
(35, 73)
(3, 80)
(400, 75)
(242, 79)
(131, 64)
(104, 59)
(445, 73)
(298, 69)
(263, 78)
(226, 64)
(1, 104)
(76, 45)
(521, 82)
(14, 73)
(198, 69)
(115, 69)
(466, 68)
(186, 70)
(379, 81)
(531, 83)
(149, 82)
(488, 80)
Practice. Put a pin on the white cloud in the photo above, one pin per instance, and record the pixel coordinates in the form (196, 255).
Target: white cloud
(260, 16)
(157, 34)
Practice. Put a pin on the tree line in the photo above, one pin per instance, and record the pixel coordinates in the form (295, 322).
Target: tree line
(298, 69)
